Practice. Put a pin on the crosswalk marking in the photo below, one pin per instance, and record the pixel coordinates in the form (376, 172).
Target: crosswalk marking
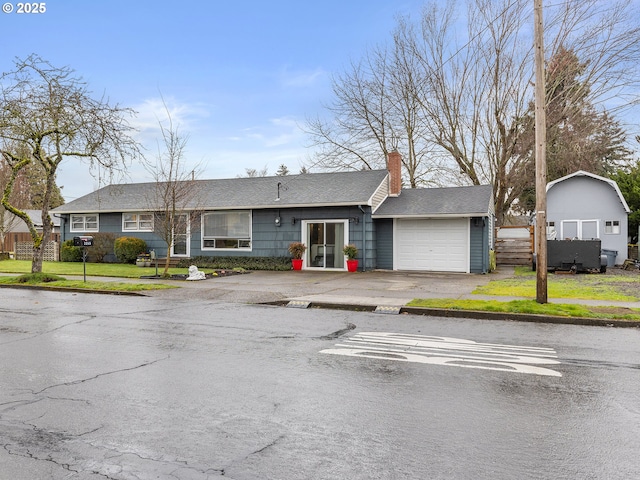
(448, 351)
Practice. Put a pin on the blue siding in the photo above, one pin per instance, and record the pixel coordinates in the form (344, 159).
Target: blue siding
(384, 243)
(479, 245)
(268, 240)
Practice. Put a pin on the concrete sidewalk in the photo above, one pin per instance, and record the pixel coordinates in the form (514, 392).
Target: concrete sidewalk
(385, 291)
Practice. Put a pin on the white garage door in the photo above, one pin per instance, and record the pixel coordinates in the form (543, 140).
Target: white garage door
(438, 245)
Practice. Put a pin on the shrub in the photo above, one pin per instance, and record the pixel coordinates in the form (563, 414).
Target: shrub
(103, 244)
(69, 253)
(127, 249)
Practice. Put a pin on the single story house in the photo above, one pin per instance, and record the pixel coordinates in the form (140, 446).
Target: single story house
(434, 229)
(586, 206)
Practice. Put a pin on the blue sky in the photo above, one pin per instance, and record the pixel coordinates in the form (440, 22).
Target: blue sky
(239, 77)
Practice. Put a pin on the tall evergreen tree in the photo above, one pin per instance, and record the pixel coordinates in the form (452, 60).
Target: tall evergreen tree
(579, 136)
(628, 180)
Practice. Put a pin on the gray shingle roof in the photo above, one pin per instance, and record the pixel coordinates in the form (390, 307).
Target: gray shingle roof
(311, 189)
(421, 202)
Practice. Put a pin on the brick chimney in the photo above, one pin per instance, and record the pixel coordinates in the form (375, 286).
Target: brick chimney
(394, 165)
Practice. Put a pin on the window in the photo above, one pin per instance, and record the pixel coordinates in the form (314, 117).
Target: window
(137, 222)
(84, 223)
(226, 230)
(612, 227)
(551, 231)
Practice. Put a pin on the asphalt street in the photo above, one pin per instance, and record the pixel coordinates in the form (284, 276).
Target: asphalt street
(199, 387)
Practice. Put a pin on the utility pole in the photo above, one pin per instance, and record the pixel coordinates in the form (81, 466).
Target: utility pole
(541, 160)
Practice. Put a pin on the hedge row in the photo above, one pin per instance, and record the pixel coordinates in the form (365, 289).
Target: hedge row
(229, 263)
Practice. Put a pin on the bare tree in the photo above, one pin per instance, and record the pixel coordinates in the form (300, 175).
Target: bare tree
(254, 172)
(175, 198)
(375, 111)
(47, 115)
(462, 97)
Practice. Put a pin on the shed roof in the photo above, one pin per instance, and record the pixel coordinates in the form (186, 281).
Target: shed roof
(432, 202)
(582, 173)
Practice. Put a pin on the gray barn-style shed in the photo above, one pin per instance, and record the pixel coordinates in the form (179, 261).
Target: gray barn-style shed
(586, 206)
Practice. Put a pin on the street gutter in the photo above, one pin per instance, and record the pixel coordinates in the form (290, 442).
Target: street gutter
(477, 314)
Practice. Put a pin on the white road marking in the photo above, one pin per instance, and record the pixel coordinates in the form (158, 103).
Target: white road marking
(448, 351)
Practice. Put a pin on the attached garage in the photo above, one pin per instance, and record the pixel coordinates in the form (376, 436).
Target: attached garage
(436, 229)
(440, 245)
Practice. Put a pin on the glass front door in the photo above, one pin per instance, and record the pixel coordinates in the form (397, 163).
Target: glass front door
(325, 240)
(180, 246)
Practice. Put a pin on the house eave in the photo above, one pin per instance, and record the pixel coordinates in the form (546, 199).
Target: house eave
(433, 215)
(274, 205)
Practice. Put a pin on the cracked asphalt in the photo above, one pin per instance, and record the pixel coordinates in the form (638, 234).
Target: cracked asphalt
(203, 382)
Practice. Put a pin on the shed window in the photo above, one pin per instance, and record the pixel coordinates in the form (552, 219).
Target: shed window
(612, 227)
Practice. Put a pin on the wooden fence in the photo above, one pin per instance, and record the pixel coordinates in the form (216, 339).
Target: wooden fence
(514, 245)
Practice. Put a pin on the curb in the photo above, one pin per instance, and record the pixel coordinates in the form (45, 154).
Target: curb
(75, 290)
(475, 314)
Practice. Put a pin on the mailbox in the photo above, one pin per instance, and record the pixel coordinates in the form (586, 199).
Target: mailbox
(82, 241)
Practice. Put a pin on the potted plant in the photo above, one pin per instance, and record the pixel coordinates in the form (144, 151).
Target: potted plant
(297, 249)
(351, 252)
(143, 260)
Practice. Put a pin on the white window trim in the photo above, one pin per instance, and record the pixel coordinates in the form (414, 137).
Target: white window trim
(137, 229)
(214, 249)
(187, 235)
(304, 234)
(613, 227)
(84, 223)
(579, 224)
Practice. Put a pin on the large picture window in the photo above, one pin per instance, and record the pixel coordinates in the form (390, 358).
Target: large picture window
(226, 230)
(84, 223)
(137, 222)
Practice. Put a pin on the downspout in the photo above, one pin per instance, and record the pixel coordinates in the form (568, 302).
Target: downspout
(62, 222)
(364, 239)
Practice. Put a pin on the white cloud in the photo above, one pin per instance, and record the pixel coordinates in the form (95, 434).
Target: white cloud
(301, 78)
(153, 111)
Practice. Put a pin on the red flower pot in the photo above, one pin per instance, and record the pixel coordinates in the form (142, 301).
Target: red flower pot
(352, 265)
(297, 263)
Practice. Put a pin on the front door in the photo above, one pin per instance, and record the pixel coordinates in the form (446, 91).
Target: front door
(325, 240)
(181, 234)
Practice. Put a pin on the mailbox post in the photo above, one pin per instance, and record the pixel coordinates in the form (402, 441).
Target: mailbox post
(83, 242)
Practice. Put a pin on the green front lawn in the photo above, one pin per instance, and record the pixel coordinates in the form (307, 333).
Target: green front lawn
(93, 269)
(605, 287)
(531, 307)
(115, 270)
(88, 285)
(622, 288)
